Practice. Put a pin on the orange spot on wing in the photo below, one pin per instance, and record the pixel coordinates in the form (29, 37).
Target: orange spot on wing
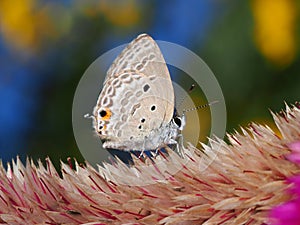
(108, 115)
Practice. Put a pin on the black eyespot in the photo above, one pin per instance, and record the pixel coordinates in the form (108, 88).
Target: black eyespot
(153, 108)
(140, 126)
(143, 120)
(146, 87)
(100, 127)
(177, 121)
(103, 113)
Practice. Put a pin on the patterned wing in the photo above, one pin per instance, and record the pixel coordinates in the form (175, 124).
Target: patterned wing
(137, 96)
(143, 55)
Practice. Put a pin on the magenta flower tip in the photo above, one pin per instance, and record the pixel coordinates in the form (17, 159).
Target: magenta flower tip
(295, 154)
(286, 214)
(295, 146)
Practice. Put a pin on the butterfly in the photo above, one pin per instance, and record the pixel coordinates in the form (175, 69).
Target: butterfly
(135, 110)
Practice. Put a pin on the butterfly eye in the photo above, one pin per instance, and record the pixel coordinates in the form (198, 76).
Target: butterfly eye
(177, 121)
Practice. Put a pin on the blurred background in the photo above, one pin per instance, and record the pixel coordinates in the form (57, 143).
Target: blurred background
(45, 46)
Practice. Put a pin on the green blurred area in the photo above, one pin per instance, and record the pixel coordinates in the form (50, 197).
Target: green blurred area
(254, 77)
(252, 83)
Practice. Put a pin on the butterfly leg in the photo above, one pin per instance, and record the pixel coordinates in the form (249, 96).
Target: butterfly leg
(179, 145)
(156, 151)
(143, 148)
(141, 154)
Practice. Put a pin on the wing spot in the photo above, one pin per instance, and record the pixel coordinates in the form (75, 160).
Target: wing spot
(102, 113)
(110, 91)
(124, 118)
(152, 77)
(122, 110)
(139, 66)
(130, 57)
(124, 76)
(135, 107)
(151, 57)
(102, 128)
(147, 44)
(124, 65)
(143, 120)
(139, 93)
(145, 61)
(128, 94)
(153, 108)
(138, 49)
(105, 114)
(117, 126)
(104, 101)
(146, 87)
(116, 83)
(124, 101)
(119, 134)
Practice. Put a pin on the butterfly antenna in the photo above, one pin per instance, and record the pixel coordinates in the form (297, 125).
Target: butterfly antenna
(200, 106)
(183, 99)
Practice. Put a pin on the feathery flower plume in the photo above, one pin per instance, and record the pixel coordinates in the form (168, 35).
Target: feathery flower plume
(242, 183)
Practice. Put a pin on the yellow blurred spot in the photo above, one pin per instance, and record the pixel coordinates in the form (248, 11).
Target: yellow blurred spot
(120, 13)
(21, 24)
(275, 22)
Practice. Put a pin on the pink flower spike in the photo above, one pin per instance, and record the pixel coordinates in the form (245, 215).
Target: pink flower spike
(294, 157)
(295, 146)
(286, 214)
(295, 180)
(295, 154)
(295, 189)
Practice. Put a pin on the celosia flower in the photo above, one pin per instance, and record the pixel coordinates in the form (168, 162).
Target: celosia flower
(245, 180)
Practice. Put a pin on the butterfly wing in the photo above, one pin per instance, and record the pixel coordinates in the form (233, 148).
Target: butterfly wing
(143, 55)
(137, 96)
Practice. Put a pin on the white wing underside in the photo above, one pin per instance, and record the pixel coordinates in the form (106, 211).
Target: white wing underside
(137, 81)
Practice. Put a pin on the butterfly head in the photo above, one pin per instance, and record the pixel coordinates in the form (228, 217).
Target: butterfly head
(179, 121)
